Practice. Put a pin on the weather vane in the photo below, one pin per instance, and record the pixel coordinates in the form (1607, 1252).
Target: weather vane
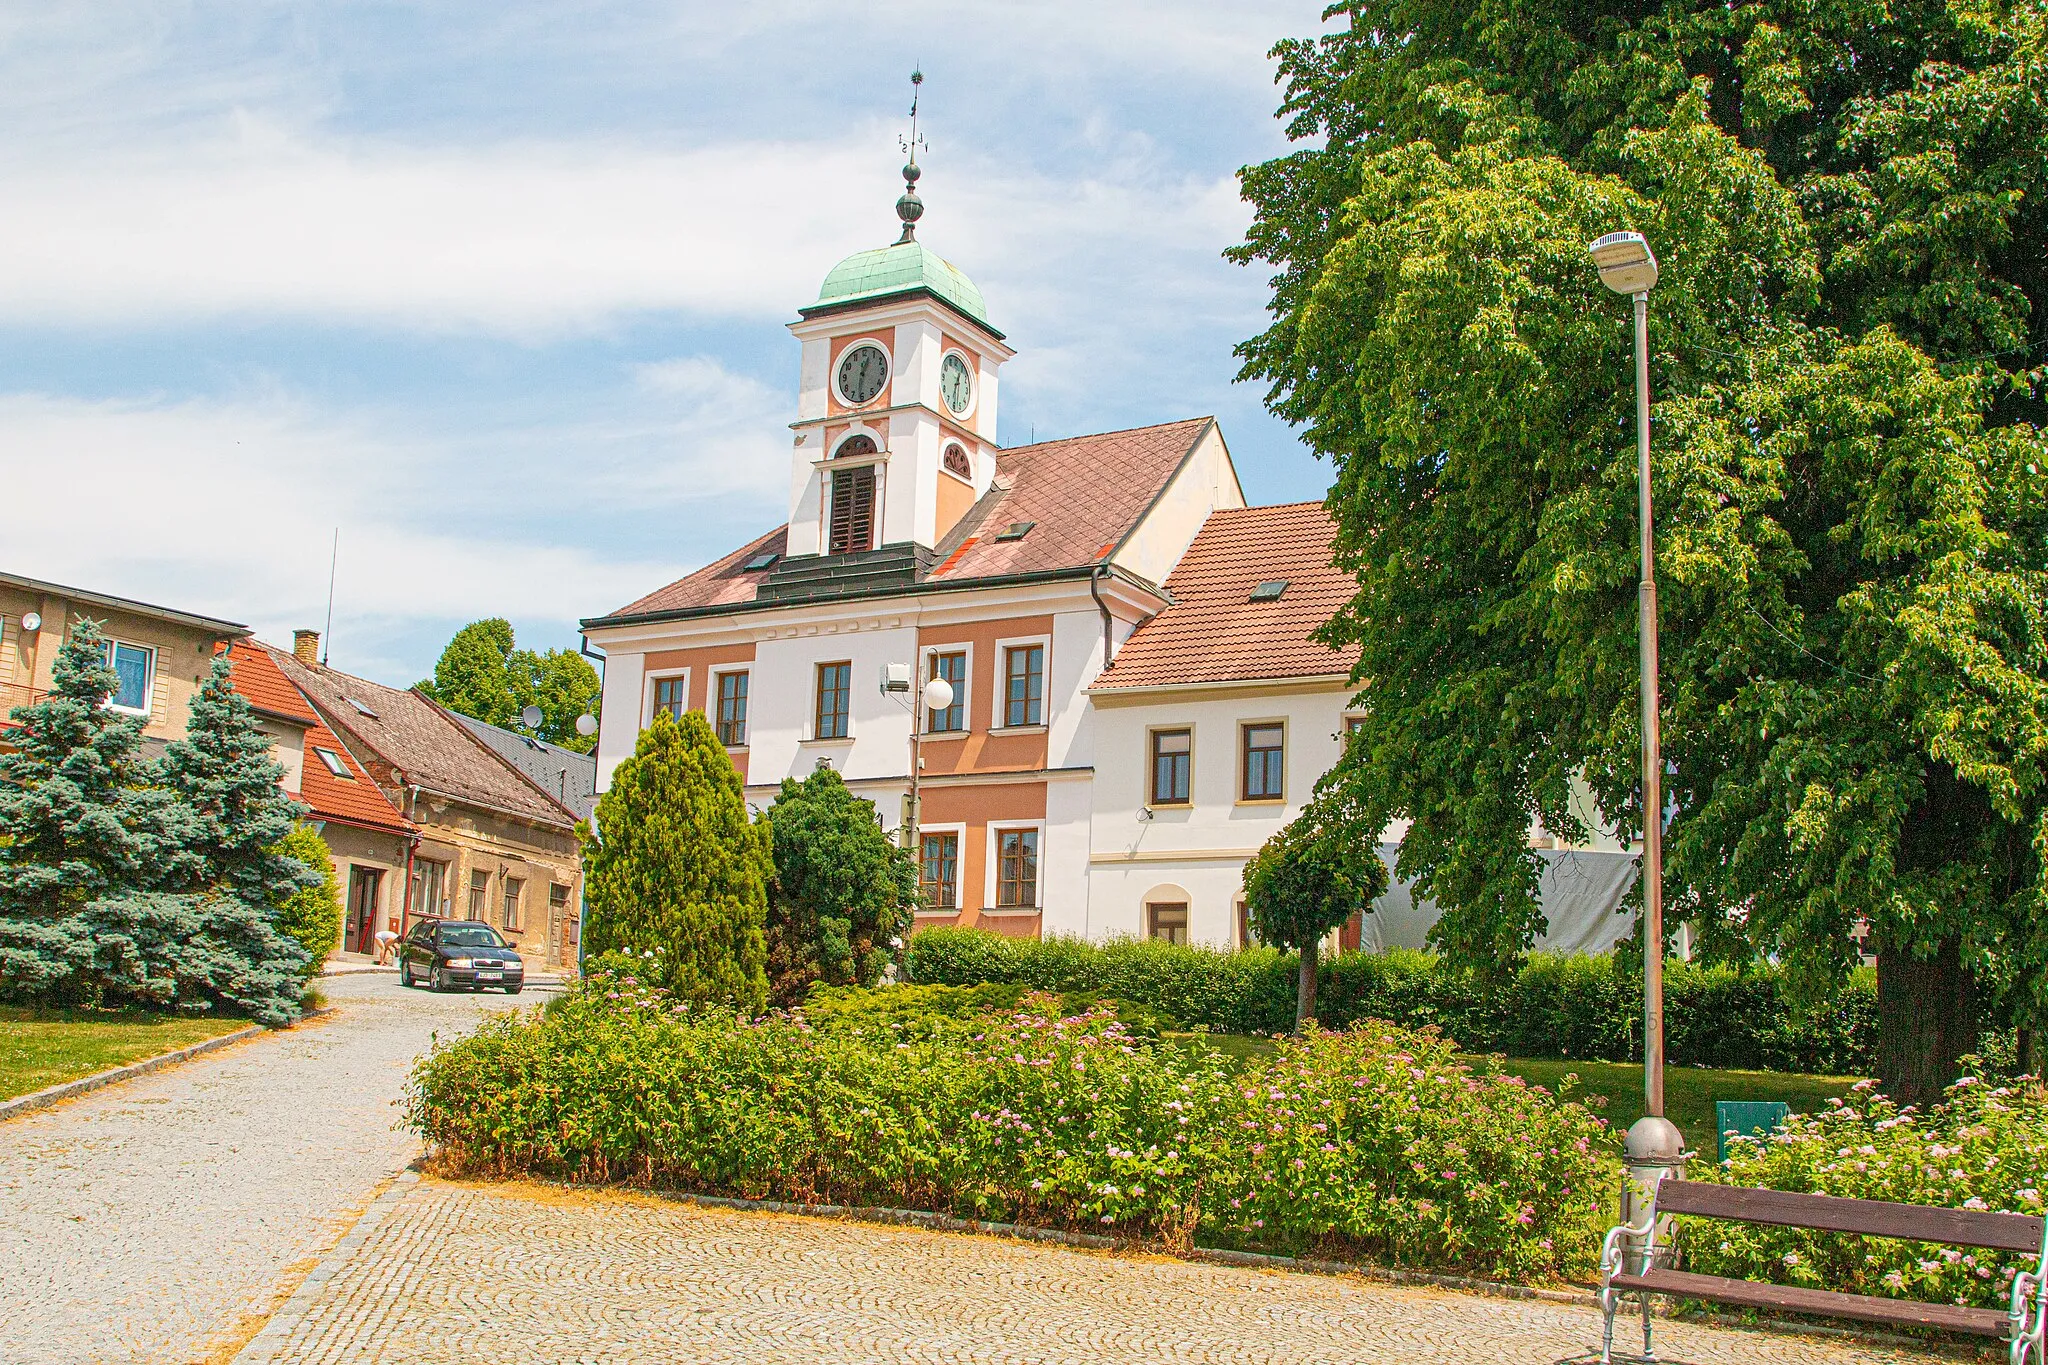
(910, 208)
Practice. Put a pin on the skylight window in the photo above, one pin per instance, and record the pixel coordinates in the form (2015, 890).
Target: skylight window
(363, 707)
(332, 761)
(1270, 590)
(1016, 530)
(759, 562)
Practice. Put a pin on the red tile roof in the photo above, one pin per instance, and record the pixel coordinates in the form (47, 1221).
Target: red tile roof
(1214, 632)
(355, 799)
(1083, 494)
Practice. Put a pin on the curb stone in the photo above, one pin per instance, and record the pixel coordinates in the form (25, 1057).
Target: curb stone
(268, 1345)
(49, 1095)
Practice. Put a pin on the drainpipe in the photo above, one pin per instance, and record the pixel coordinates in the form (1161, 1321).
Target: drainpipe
(1094, 591)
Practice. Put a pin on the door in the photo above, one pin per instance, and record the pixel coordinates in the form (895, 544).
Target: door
(360, 935)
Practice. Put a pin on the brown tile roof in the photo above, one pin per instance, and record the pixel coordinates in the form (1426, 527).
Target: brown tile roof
(1084, 493)
(1214, 632)
(355, 800)
(420, 740)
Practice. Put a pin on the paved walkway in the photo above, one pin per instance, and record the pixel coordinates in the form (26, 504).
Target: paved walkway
(155, 1219)
(445, 1272)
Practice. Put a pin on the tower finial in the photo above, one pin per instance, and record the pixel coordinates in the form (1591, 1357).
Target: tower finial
(910, 208)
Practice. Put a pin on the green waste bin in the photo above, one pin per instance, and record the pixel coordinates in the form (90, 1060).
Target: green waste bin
(1745, 1118)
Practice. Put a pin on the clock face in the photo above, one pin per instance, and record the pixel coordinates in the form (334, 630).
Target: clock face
(863, 370)
(956, 383)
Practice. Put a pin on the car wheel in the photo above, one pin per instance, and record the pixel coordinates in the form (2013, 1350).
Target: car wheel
(434, 981)
(512, 990)
(405, 973)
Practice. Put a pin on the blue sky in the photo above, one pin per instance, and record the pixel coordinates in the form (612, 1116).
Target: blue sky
(500, 291)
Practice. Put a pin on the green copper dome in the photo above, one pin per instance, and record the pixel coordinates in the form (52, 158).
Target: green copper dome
(899, 269)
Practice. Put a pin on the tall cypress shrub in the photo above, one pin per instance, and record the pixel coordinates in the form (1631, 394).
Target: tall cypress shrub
(677, 869)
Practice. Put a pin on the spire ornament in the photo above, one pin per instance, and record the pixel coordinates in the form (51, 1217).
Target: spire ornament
(909, 207)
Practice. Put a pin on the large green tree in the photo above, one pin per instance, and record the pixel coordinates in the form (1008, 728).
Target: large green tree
(844, 891)
(1850, 491)
(678, 870)
(483, 674)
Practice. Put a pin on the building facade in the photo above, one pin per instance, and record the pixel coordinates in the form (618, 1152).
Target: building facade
(160, 655)
(1138, 702)
(488, 844)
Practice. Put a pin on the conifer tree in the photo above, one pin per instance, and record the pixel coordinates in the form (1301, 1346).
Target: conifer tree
(235, 810)
(677, 868)
(843, 889)
(311, 915)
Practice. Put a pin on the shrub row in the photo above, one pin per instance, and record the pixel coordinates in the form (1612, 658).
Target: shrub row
(1576, 1007)
(1376, 1143)
(1984, 1147)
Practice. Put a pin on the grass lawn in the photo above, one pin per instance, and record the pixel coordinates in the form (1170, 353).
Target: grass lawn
(40, 1048)
(1689, 1091)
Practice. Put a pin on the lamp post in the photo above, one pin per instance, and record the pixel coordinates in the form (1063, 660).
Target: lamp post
(1654, 1146)
(936, 695)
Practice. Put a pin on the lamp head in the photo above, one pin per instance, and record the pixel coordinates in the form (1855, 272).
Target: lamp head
(586, 725)
(1626, 263)
(938, 694)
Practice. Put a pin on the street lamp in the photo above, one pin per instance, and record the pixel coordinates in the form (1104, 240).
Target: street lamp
(1654, 1146)
(936, 695)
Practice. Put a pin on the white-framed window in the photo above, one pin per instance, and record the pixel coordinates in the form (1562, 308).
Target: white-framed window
(1015, 878)
(334, 763)
(668, 691)
(954, 663)
(1022, 666)
(940, 865)
(729, 706)
(134, 675)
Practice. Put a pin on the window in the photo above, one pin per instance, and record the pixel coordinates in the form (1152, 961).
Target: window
(1167, 923)
(855, 446)
(134, 670)
(332, 761)
(1172, 763)
(940, 871)
(1016, 867)
(957, 463)
(1265, 759)
(1024, 685)
(671, 695)
(558, 900)
(429, 887)
(732, 709)
(515, 895)
(470, 936)
(852, 528)
(953, 668)
(479, 894)
(835, 698)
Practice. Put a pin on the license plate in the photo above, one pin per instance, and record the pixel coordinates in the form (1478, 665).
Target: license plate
(490, 976)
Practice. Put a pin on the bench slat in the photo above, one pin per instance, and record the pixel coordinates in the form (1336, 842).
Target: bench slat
(1983, 1322)
(1873, 1218)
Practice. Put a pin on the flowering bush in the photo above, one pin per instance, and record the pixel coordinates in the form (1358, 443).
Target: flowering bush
(1983, 1147)
(1377, 1143)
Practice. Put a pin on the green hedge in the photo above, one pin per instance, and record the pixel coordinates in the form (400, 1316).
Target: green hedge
(1554, 1006)
(1376, 1144)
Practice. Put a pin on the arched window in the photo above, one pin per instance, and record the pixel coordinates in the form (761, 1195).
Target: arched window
(957, 463)
(858, 444)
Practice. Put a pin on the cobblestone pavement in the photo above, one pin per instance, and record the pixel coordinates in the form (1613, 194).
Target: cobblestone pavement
(149, 1221)
(522, 1273)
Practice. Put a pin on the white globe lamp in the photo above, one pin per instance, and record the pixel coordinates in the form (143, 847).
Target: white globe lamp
(938, 694)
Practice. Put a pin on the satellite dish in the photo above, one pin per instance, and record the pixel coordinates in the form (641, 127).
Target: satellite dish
(530, 717)
(586, 725)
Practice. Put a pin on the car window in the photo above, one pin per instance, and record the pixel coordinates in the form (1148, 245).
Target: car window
(470, 936)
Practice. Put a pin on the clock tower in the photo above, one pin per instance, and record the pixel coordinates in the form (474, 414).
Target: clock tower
(896, 402)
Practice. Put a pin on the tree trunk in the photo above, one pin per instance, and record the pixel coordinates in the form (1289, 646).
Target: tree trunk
(1305, 992)
(1926, 1020)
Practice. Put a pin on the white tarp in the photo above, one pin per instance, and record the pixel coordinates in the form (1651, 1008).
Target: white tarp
(1580, 891)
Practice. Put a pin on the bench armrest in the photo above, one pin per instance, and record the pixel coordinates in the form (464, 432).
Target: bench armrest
(2029, 1328)
(1621, 1239)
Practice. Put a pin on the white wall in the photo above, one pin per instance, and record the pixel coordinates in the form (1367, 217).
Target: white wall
(1204, 483)
(783, 697)
(619, 723)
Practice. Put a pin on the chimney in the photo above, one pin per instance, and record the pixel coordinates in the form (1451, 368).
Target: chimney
(306, 646)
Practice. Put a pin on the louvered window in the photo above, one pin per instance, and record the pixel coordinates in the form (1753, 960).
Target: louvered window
(853, 510)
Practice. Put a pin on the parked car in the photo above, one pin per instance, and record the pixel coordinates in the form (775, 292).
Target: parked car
(447, 953)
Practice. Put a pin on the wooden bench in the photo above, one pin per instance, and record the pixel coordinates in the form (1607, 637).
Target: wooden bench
(1628, 1262)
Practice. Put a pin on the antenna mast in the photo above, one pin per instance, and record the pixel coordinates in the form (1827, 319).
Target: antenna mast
(327, 635)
